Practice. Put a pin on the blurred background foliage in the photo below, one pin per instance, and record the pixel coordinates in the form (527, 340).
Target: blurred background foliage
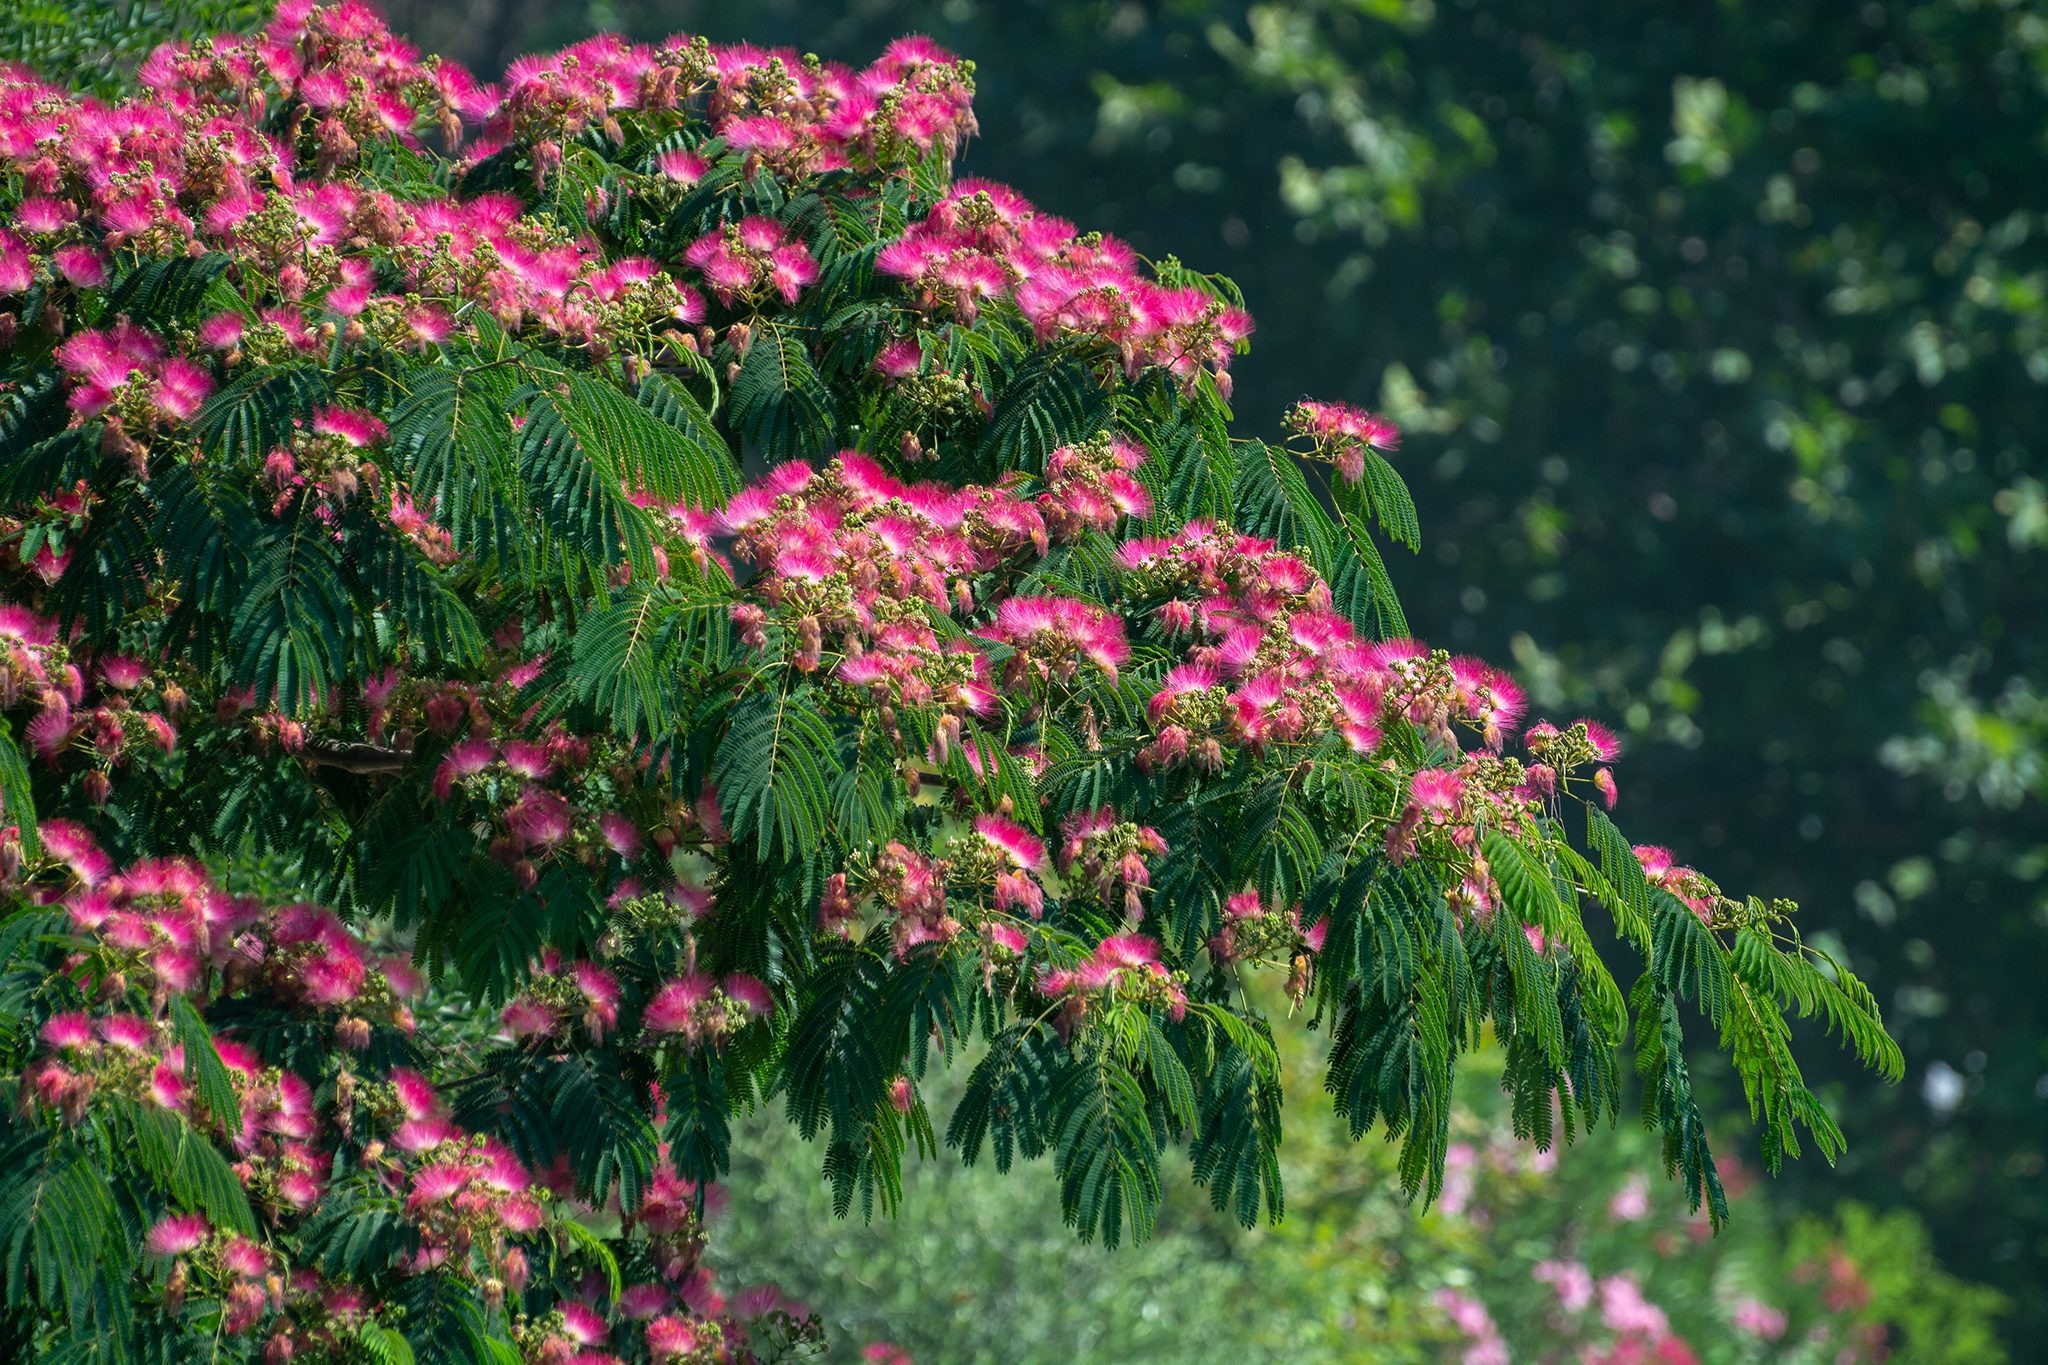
(978, 1270)
(1719, 337)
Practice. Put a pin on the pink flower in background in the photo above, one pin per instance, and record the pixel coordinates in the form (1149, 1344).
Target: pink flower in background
(1624, 1309)
(1631, 1203)
(1758, 1319)
(1571, 1279)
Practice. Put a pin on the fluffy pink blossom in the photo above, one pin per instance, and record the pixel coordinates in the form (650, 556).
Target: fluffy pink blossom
(177, 1234)
(1016, 843)
(674, 1006)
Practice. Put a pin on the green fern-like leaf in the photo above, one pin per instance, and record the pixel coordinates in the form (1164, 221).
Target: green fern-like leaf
(1381, 495)
(17, 797)
(1049, 402)
(1237, 1154)
(1668, 1103)
(258, 411)
(775, 770)
(1008, 1097)
(172, 287)
(780, 402)
(1106, 1153)
(292, 631)
(577, 488)
(453, 442)
(632, 656)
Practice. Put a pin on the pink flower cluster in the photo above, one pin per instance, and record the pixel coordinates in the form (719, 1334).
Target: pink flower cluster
(1692, 888)
(1469, 1316)
(584, 993)
(1269, 662)
(1092, 486)
(1641, 1331)
(752, 258)
(679, 1314)
(470, 1198)
(1252, 929)
(1285, 666)
(1340, 434)
(986, 242)
(990, 873)
(701, 1010)
(915, 99)
(1108, 857)
(792, 116)
(126, 1055)
(555, 796)
(1122, 965)
(1051, 637)
(908, 887)
(243, 1278)
(162, 925)
(851, 559)
(106, 365)
(130, 718)
(1021, 862)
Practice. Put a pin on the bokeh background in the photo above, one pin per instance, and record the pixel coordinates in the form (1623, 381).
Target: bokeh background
(1719, 336)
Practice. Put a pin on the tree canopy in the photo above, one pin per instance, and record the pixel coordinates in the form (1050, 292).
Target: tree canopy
(540, 617)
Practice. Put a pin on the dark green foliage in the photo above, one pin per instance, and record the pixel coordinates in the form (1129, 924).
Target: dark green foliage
(1049, 400)
(775, 770)
(1105, 1150)
(779, 403)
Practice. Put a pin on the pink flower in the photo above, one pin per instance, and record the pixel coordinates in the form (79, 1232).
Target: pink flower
(670, 1338)
(462, 760)
(682, 166)
(529, 1018)
(418, 1135)
(356, 429)
(674, 1006)
(539, 818)
(1436, 790)
(1606, 744)
(1023, 848)
(181, 387)
(1631, 1203)
(1573, 1282)
(221, 332)
(620, 834)
(176, 1235)
(1624, 1309)
(416, 1098)
(1007, 937)
(437, 1184)
(527, 759)
(643, 1301)
(84, 266)
(750, 993)
(244, 1258)
(17, 267)
(64, 1032)
(581, 1324)
(127, 1032)
(1759, 1319)
(900, 359)
(167, 1089)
